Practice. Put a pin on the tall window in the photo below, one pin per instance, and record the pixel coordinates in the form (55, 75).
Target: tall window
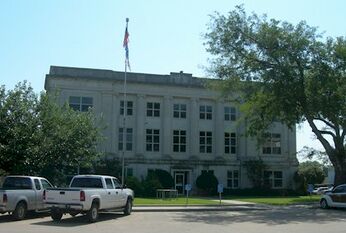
(272, 143)
(273, 179)
(179, 110)
(129, 108)
(230, 143)
(230, 114)
(128, 139)
(80, 103)
(205, 112)
(233, 179)
(205, 142)
(153, 109)
(153, 139)
(179, 140)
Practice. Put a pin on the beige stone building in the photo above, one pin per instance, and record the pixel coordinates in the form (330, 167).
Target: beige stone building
(174, 123)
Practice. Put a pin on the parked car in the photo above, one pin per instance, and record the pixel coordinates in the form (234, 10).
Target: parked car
(20, 194)
(334, 198)
(89, 194)
(321, 190)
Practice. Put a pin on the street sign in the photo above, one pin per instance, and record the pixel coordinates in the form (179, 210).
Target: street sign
(188, 187)
(310, 188)
(220, 188)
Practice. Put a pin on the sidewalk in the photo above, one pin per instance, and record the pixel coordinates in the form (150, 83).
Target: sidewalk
(226, 205)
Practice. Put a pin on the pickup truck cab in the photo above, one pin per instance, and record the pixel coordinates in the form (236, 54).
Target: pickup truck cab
(89, 194)
(20, 194)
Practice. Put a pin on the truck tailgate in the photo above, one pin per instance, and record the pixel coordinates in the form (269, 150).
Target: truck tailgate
(63, 196)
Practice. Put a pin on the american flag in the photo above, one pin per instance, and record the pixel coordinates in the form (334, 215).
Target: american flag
(126, 46)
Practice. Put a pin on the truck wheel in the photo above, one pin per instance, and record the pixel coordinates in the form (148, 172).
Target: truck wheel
(56, 215)
(324, 204)
(128, 207)
(93, 213)
(20, 211)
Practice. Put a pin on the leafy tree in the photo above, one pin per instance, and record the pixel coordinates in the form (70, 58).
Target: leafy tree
(255, 170)
(283, 72)
(40, 137)
(310, 172)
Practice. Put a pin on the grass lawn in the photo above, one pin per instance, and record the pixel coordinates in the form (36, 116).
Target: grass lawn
(173, 201)
(278, 200)
(208, 201)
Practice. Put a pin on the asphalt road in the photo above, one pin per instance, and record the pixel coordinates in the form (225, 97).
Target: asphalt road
(279, 220)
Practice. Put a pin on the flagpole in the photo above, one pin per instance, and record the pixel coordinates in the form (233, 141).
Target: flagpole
(124, 120)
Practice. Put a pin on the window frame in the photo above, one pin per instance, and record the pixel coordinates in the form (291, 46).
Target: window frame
(206, 142)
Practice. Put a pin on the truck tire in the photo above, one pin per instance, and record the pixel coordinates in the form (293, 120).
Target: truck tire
(128, 207)
(20, 212)
(93, 213)
(56, 215)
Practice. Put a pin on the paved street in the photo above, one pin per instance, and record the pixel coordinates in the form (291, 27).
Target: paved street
(304, 219)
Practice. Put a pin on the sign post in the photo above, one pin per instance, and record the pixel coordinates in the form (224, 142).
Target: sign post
(187, 189)
(220, 190)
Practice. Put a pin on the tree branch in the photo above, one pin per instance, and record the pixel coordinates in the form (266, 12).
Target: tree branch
(327, 132)
(329, 149)
(325, 121)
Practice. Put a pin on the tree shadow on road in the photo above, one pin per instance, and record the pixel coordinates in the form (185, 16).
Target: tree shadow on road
(69, 221)
(275, 216)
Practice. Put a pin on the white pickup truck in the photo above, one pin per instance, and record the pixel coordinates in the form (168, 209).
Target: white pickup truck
(20, 194)
(89, 194)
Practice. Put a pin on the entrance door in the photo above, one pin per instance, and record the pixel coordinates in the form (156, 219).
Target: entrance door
(179, 179)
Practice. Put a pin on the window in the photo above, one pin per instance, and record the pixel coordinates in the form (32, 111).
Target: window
(129, 172)
(153, 139)
(37, 184)
(273, 179)
(128, 139)
(109, 183)
(205, 112)
(179, 140)
(129, 108)
(272, 144)
(205, 142)
(230, 143)
(179, 110)
(233, 179)
(153, 109)
(116, 183)
(79, 103)
(230, 114)
(45, 184)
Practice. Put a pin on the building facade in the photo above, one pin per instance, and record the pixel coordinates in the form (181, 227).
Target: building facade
(176, 124)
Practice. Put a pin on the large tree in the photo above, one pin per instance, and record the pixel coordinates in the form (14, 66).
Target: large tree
(39, 137)
(283, 72)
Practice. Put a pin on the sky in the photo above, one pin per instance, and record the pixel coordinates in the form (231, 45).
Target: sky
(165, 36)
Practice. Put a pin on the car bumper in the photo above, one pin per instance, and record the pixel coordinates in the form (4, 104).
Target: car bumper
(65, 207)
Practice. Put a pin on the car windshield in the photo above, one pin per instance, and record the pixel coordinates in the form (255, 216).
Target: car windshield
(86, 182)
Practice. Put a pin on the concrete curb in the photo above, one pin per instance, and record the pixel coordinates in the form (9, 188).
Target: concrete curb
(199, 208)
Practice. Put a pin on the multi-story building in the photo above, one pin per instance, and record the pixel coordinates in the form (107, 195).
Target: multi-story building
(173, 122)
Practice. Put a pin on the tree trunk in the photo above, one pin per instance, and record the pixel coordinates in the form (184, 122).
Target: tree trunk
(340, 169)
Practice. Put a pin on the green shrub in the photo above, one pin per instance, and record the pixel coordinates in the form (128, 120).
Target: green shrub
(207, 182)
(134, 184)
(165, 178)
(150, 185)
